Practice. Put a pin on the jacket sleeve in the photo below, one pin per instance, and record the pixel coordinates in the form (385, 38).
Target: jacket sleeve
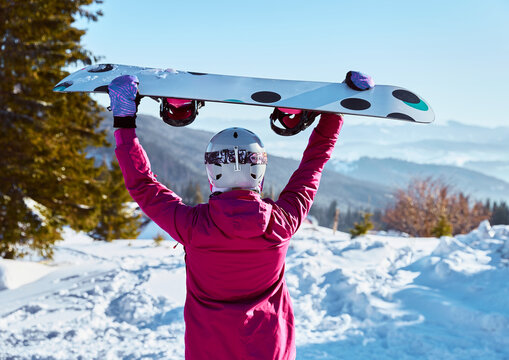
(158, 202)
(297, 197)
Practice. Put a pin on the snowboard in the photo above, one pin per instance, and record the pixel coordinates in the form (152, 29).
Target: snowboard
(383, 101)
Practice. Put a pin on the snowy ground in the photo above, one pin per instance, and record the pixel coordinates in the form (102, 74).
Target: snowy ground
(375, 297)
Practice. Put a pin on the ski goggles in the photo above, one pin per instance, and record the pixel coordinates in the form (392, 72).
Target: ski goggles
(235, 156)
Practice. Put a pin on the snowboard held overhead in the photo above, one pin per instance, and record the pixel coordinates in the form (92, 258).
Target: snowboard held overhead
(383, 101)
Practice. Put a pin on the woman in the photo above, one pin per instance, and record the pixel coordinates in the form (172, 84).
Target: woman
(237, 304)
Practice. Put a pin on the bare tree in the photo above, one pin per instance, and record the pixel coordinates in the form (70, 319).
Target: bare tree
(420, 207)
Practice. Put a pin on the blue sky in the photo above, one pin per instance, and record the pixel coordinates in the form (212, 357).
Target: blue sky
(453, 53)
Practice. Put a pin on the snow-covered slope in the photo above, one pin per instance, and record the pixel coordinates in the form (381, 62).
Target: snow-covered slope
(379, 296)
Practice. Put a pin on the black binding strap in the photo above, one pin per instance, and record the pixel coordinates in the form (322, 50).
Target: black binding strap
(304, 118)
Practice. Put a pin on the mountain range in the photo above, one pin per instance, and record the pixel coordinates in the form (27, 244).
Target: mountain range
(474, 147)
(397, 173)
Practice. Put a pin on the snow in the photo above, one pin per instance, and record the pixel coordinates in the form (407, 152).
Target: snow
(383, 296)
(14, 274)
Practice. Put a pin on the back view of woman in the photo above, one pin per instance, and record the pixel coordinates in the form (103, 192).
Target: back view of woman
(237, 305)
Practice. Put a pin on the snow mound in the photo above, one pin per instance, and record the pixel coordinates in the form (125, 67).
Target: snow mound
(401, 297)
(136, 308)
(14, 274)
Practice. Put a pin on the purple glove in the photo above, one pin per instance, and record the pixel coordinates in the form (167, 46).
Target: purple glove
(123, 92)
(359, 81)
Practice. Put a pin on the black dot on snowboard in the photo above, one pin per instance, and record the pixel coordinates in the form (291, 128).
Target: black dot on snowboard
(266, 97)
(355, 104)
(400, 116)
(101, 68)
(406, 96)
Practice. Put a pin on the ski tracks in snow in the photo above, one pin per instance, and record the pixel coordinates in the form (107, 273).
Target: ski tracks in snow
(106, 301)
(379, 296)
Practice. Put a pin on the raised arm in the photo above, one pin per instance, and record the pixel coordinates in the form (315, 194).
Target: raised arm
(298, 195)
(158, 202)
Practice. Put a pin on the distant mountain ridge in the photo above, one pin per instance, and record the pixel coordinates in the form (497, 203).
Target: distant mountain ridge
(475, 147)
(397, 173)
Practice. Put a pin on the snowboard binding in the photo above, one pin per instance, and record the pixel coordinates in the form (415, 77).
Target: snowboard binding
(293, 121)
(179, 112)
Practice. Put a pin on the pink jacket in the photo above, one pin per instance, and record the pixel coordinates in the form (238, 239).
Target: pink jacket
(237, 304)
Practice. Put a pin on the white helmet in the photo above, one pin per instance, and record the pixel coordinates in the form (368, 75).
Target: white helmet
(235, 159)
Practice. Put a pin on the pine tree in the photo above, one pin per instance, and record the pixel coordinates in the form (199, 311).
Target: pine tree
(500, 214)
(117, 219)
(442, 228)
(362, 227)
(43, 135)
